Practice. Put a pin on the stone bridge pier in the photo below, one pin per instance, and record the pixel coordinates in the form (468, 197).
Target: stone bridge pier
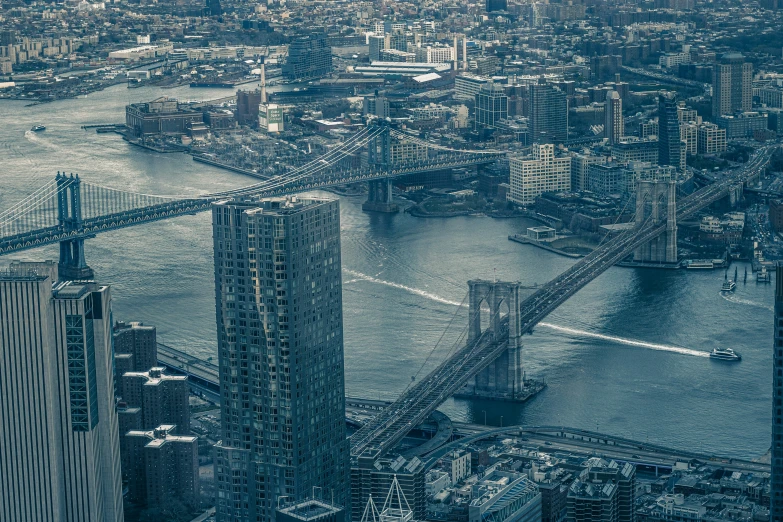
(656, 201)
(504, 377)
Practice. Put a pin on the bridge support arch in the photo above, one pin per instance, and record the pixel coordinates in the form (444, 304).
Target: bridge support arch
(656, 201)
(72, 264)
(504, 377)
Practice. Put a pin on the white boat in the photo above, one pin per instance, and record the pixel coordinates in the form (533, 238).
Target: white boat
(38, 128)
(725, 354)
(728, 284)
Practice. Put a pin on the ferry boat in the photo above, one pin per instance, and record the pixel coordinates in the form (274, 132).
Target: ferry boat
(38, 128)
(725, 354)
(728, 284)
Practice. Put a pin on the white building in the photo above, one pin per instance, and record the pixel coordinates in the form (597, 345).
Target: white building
(670, 60)
(711, 138)
(579, 165)
(142, 52)
(438, 54)
(542, 172)
(270, 117)
(688, 135)
(468, 85)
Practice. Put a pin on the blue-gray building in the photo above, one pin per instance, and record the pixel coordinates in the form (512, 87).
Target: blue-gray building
(280, 347)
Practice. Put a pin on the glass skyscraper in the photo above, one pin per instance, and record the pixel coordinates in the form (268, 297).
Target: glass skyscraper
(671, 150)
(548, 114)
(280, 338)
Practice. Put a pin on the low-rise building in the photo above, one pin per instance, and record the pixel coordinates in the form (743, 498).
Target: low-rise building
(710, 139)
(505, 497)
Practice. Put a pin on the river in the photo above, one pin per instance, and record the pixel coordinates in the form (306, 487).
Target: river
(625, 356)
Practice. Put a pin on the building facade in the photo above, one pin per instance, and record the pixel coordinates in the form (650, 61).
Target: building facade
(732, 85)
(580, 162)
(542, 172)
(670, 147)
(280, 339)
(710, 139)
(138, 342)
(776, 481)
(548, 114)
(614, 124)
(59, 419)
(309, 57)
(491, 105)
(162, 467)
(163, 399)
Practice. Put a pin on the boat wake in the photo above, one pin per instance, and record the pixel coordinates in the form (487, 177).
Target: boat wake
(358, 276)
(738, 300)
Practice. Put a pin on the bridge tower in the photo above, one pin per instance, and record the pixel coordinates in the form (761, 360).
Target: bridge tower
(379, 195)
(657, 200)
(504, 377)
(72, 265)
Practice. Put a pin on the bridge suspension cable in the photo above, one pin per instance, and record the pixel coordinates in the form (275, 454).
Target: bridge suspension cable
(403, 136)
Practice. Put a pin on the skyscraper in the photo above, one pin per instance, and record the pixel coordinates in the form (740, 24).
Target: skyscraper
(491, 105)
(280, 342)
(138, 341)
(670, 146)
(732, 85)
(614, 124)
(496, 5)
(548, 114)
(776, 481)
(59, 421)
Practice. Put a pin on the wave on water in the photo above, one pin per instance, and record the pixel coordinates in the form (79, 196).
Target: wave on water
(358, 276)
(738, 300)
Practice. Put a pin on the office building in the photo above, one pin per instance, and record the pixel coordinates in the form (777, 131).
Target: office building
(592, 503)
(163, 399)
(776, 480)
(614, 124)
(541, 172)
(458, 464)
(631, 148)
(377, 43)
(468, 85)
(505, 497)
(671, 150)
(732, 85)
(310, 510)
(548, 113)
(309, 57)
(280, 349)
(491, 105)
(771, 96)
(162, 467)
(59, 422)
(744, 124)
(137, 344)
(580, 162)
(710, 139)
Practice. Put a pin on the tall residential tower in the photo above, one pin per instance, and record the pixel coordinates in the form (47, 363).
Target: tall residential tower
(280, 341)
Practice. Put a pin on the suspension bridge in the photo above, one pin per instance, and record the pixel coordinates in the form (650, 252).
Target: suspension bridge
(502, 337)
(68, 209)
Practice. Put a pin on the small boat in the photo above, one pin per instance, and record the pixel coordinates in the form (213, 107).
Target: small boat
(725, 354)
(728, 284)
(38, 128)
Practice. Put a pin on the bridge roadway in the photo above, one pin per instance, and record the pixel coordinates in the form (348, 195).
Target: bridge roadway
(418, 401)
(318, 174)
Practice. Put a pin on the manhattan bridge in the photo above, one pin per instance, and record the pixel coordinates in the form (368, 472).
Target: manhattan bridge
(67, 210)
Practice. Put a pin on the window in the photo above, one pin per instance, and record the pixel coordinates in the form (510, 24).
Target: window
(82, 387)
